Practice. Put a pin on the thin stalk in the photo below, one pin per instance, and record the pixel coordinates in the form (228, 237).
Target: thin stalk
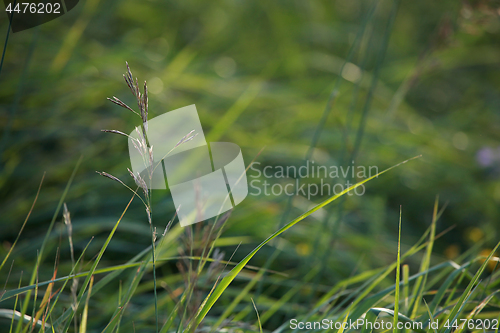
(359, 136)
(153, 249)
(330, 210)
(317, 133)
(150, 219)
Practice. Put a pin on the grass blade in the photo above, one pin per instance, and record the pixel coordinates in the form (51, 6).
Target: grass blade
(344, 324)
(83, 324)
(459, 306)
(71, 313)
(406, 288)
(211, 299)
(398, 265)
(258, 317)
(418, 288)
(44, 243)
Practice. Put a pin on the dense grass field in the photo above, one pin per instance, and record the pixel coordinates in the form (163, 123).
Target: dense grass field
(407, 91)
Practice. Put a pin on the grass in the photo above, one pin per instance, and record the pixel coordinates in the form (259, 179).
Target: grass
(413, 80)
(348, 301)
(355, 301)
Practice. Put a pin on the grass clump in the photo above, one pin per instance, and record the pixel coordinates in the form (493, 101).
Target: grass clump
(443, 295)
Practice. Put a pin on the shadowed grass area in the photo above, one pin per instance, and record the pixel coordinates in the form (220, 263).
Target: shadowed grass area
(294, 84)
(354, 292)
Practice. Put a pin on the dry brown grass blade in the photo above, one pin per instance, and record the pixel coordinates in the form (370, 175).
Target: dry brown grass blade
(45, 301)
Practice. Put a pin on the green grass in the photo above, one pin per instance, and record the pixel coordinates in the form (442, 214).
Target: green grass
(347, 301)
(373, 81)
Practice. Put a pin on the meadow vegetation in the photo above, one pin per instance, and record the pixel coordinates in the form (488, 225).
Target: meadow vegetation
(409, 88)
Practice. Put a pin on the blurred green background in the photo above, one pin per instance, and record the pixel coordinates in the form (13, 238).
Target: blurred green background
(260, 74)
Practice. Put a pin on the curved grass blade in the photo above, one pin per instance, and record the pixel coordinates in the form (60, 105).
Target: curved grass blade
(83, 324)
(398, 272)
(344, 323)
(431, 317)
(115, 272)
(258, 317)
(418, 288)
(440, 294)
(24, 307)
(16, 315)
(66, 281)
(375, 312)
(364, 303)
(94, 266)
(370, 317)
(373, 278)
(211, 299)
(111, 269)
